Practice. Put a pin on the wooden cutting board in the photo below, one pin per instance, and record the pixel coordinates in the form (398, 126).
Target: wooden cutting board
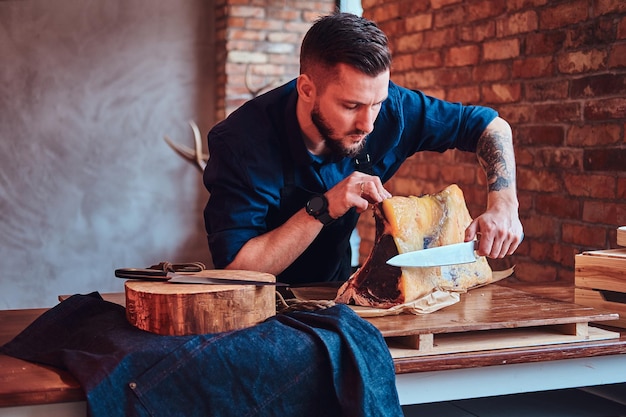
(182, 309)
(490, 317)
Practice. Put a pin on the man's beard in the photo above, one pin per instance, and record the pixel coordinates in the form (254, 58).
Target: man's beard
(335, 146)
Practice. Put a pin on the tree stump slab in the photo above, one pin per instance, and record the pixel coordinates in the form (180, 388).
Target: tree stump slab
(183, 309)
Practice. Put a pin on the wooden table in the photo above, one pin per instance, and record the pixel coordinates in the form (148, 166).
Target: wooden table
(420, 379)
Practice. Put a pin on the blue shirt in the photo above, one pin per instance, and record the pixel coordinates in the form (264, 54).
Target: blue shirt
(260, 173)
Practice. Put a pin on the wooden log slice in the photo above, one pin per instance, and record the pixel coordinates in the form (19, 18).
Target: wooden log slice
(183, 309)
(621, 236)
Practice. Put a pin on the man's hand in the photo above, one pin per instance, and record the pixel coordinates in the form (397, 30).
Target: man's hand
(358, 190)
(499, 229)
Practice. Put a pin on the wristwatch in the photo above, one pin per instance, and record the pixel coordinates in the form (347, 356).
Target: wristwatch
(317, 206)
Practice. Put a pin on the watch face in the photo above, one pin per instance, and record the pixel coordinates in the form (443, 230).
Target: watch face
(315, 204)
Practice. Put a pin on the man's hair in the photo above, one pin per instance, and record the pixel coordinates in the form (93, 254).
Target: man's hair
(347, 39)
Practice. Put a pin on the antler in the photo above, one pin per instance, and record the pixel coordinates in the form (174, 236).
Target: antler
(255, 91)
(195, 155)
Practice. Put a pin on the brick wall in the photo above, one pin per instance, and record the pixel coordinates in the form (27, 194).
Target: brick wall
(258, 44)
(556, 70)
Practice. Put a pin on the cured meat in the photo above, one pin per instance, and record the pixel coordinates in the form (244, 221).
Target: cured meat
(405, 224)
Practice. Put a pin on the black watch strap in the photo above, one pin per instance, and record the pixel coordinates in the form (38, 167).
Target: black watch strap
(325, 218)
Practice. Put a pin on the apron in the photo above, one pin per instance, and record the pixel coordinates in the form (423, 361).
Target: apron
(328, 257)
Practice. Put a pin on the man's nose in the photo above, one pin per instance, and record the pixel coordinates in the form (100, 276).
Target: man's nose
(365, 120)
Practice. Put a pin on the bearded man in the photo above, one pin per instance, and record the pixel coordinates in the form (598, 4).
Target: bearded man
(291, 170)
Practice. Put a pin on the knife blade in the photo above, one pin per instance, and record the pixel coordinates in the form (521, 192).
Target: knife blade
(159, 275)
(196, 279)
(457, 253)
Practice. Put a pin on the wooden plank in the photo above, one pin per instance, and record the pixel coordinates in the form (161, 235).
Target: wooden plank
(490, 308)
(595, 299)
(495, 339)
(602, 269)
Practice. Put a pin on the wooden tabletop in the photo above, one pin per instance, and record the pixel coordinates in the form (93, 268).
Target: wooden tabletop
(25, 383)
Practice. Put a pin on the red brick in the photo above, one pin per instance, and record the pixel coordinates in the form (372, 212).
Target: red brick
(597, 85)
(621, 29)
(277, 25)
(435, 92)
(298, 27)
(501, 93)
(420, 79)
(478, 31)
(606, 159)
(558, 206)
(582, 61)
(236, 22)
(561, 158)
(418, 23)
(517, 113)
(501, 49)
(611, 108)
(566, 258)
(449, 16)
(459, 56)
(389, 12)
(540, 227)
(596, 186)
(285, 14)
(609, 6)
(458, 174)
(563, 14)
(599, 212)
(494, 71)
(538, 180)
(440, 37)
(523, 156)
(546, 90)
(454, 76)
(247, 11)
(427, 59)
(467, 94)
(592, 33)
(617, 56)
(535, 272)
(540, 135)
(543, 251)
(533, 67)
(594, 135)
(621, 190)
(438, 4)
(392, 27)
(480, 10)
(583, 235)
(557, 112)
(411, 42)
(543, 42)
(403, 62)
(412, 8)
(513, 24)
(514, 5)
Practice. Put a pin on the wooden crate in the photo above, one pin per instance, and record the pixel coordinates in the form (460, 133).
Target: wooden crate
(600, 280)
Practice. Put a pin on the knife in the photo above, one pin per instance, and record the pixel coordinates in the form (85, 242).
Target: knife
(158, 275)
(457, 253)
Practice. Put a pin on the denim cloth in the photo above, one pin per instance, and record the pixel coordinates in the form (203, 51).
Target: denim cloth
(324, 363)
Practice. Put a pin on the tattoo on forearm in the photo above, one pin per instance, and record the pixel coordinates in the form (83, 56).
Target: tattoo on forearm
(496, 160)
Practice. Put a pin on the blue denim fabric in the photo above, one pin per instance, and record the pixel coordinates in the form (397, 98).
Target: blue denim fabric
(324, 363)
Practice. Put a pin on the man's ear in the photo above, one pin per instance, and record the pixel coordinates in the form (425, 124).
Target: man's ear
(306, 88)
